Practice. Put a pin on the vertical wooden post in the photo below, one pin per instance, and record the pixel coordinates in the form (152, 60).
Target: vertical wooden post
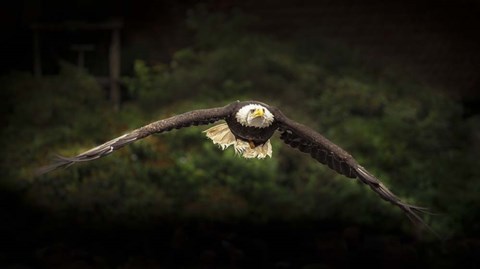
(81, 50)
(115, 68)
(37, 60)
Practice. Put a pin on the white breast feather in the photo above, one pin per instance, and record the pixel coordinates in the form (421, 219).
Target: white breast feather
(222, 136)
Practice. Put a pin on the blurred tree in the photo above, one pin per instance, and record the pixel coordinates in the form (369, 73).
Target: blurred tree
(412, 137)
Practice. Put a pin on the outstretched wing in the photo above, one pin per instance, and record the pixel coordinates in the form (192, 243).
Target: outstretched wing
(195, 117)
(309, 141)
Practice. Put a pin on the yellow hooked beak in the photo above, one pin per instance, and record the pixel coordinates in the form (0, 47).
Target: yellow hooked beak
(258, 113)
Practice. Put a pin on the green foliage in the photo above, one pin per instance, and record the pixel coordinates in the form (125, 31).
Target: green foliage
(60, 108)
(412, 137)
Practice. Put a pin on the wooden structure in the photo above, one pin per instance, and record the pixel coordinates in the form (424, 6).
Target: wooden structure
(81, 49)
(113, 27)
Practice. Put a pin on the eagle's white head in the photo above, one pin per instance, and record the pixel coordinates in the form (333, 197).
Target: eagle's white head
(254, 115)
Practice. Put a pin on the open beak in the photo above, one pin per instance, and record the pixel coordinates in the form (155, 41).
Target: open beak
(258, 113)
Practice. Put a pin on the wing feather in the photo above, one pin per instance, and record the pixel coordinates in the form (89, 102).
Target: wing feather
(320, 148)
(195, 117)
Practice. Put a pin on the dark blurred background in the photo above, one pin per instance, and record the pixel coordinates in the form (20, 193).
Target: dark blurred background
(396, 84)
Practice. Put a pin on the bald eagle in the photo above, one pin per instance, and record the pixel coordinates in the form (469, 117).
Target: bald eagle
(248, 128)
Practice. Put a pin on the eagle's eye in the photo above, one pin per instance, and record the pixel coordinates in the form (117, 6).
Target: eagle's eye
(252, 110)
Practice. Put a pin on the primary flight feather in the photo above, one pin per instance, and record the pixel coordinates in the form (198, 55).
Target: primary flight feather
(248, 128)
